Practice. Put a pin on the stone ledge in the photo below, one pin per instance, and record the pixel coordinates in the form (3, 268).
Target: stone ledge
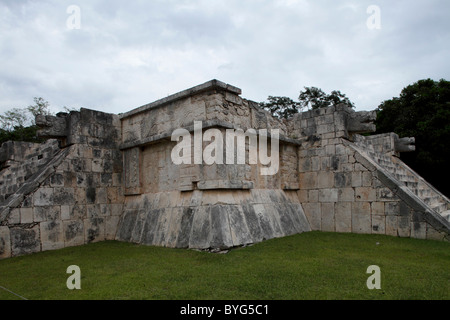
(207, 86)
(225, 184)
(290, 186)
(208, 124)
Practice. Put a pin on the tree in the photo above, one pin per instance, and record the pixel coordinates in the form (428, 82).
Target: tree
(422, 111)
(281, 107)
(14, 118)
(309, 98)
(315, 98)
(40, 107)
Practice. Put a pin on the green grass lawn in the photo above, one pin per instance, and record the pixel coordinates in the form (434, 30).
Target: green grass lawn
(312, 265)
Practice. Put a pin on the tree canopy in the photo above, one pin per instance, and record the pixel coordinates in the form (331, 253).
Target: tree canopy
(309, 98)
(18, 124)
(422, 111)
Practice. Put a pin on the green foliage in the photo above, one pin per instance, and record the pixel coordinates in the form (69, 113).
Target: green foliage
(315, 98)
(41, 107)
(310, 98)
(12, 119)
(422, 111)
(27, 134)
(281, 107)
(19, 124)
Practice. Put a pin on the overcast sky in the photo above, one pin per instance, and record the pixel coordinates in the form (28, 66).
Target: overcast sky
(116, 55)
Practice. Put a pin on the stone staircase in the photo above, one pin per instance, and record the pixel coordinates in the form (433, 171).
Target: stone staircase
(19, 161)
(408, 177)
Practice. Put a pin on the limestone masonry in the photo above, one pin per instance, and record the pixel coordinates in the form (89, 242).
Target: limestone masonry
(111, 177)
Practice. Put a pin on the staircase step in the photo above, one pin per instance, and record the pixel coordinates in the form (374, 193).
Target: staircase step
(422, 192)
(411, 185)
(439, 207)
(446, 215)
(410, 180)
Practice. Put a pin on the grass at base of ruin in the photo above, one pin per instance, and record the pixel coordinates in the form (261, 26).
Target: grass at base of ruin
(312, 265)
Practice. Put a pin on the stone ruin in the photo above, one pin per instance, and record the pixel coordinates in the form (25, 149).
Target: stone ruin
(104, 177)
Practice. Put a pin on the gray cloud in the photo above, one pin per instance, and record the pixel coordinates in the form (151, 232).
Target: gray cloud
(127, 54)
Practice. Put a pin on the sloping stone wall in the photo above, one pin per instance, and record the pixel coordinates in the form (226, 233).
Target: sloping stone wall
(74, 199)
(211, 219)
(21, 160)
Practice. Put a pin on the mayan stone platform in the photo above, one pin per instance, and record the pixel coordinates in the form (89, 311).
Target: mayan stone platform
(113, 177)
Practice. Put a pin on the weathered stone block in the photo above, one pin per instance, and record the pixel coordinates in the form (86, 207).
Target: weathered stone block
(220, 228)
(101, 196)
(25, 241)
(14, 216)
(240, 233)
(378, 224)
(116, 209)
(65, 213)
(328, 195)
(313, 196)
(73, 233)
(361, 217)
(419, 230)
(57, 180)
(367, 179)
(41, 214)
(224, 184)
(343, 216)
(26, 215)
(404, 227)
(342, 150)
(313, 214)
(174, 216)
(346, 194)
(315, 163)
(325, 179)
(391, 225)
(132, 171)
(433, 234)
(94, 229)
(184, 234)
(365, 194)
(51, 235)
(377, 208)
(5, 242)
(356, 179)
(201, 228)
(43, 197)
(328, 217)
(304, 164)
(392, 208)
(302, 195)
(342, 180)
(63, 196)
(308, 180)
(385, 194)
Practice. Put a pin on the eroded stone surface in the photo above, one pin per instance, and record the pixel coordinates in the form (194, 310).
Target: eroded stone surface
(104, 177)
